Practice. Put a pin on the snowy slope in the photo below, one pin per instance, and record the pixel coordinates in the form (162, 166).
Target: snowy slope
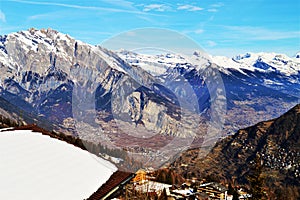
(154, 64)
(262, 62)
(34, 166)
(272, 70)
(57, 45)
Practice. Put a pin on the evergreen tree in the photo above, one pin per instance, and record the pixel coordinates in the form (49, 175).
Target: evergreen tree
(232, 191)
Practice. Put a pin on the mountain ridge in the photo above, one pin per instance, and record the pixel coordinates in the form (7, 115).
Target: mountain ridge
(93, 93)
(276, 142)
(247, 86)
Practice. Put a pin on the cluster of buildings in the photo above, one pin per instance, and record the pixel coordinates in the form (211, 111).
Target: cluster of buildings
(142, 185)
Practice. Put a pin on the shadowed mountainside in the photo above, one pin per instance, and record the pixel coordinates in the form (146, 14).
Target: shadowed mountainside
(276, 142)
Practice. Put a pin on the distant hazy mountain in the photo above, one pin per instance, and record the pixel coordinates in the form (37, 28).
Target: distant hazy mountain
(276, 142)
(259, 86)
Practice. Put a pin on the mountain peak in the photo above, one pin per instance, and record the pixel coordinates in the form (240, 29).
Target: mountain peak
(49, 33)
(22, 50)
(267, 62)
(43, 30)
(241, 56)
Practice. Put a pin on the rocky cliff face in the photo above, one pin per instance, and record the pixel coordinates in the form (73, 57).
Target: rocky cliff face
(52, 75)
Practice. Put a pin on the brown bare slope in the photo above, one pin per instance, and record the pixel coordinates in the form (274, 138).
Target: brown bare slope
(277, 142)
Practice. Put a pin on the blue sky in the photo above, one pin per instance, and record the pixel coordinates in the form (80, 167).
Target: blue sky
(219, 27)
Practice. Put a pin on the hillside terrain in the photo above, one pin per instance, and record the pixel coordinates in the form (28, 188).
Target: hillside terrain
(276, 142)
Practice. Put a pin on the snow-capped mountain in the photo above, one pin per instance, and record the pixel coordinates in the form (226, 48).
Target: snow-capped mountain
(273, 70)
(83, 89)
(252, 80)
(135, 99)
(41, 68)
(262, 62)
(154, 64)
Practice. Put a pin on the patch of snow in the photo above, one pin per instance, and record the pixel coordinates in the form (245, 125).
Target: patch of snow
(111, 158)
(270, 82)
(34, 166)
(228, 63)
(154, 64)
(280, 62)
(184, 192)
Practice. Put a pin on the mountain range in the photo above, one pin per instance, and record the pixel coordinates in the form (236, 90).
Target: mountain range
(140, 103)
(252, 81)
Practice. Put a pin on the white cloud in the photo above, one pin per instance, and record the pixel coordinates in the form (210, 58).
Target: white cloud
(212, 10)
(217, 5)
(199, 31)
(211, 43)
(107, 9)
(2, 16)
(260, 33)
(189, 8)
(120, 3)
(156, 7)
